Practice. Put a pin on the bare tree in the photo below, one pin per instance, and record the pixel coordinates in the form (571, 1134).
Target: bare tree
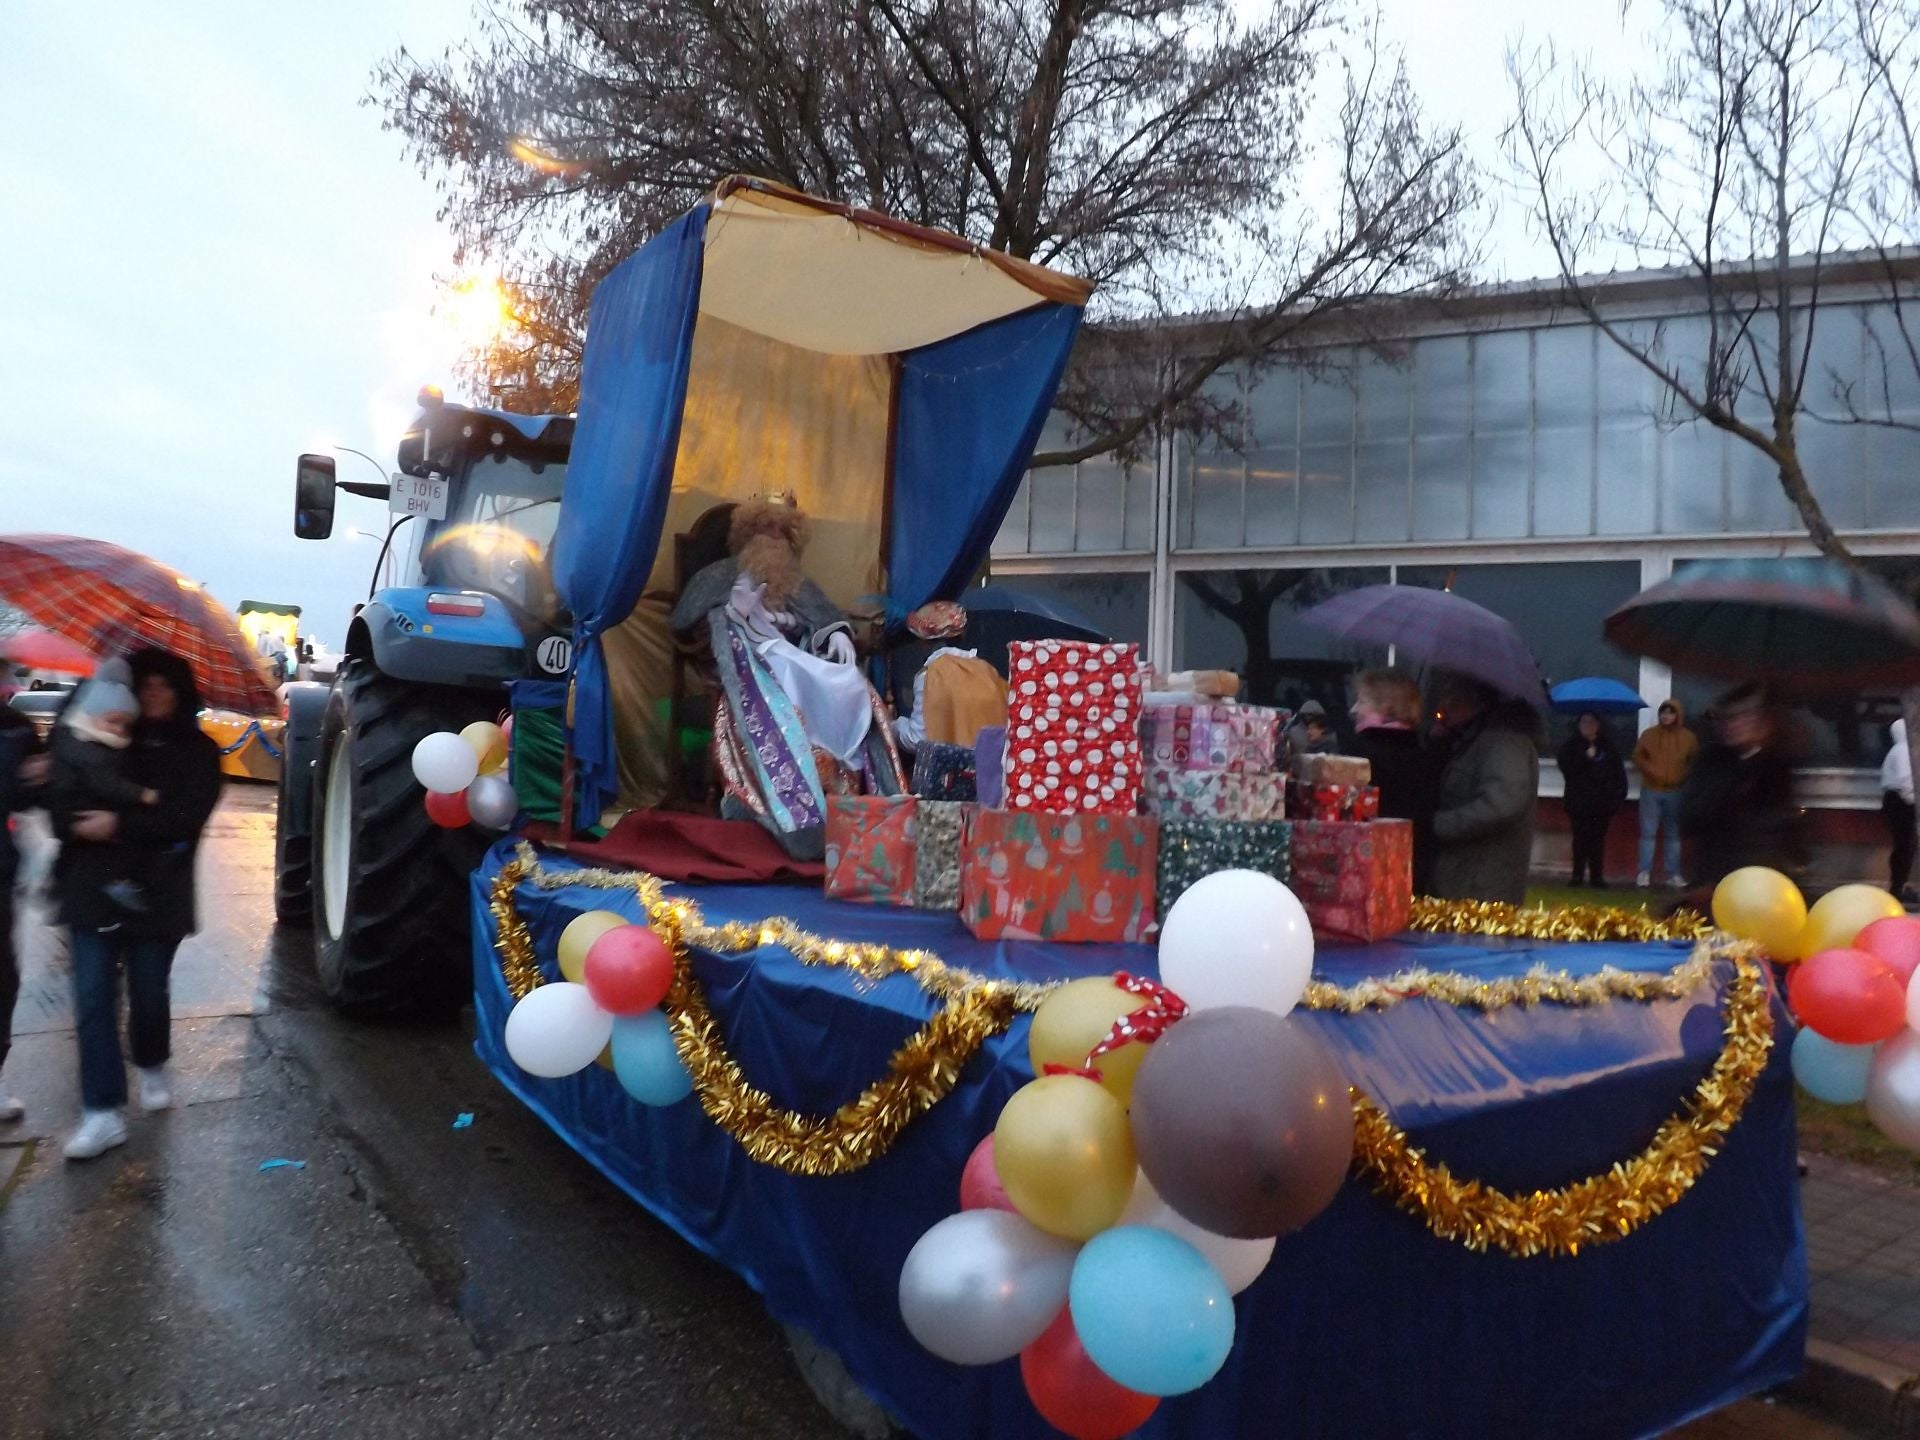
(1269, 168)
(1768, 154)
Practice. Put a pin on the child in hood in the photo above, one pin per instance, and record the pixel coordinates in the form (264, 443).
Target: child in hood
(90, 761)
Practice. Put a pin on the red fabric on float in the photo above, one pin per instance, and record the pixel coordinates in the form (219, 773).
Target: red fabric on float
(678, 846)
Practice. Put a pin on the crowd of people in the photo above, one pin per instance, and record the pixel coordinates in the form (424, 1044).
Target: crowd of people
(1463, 764)
(129, 781)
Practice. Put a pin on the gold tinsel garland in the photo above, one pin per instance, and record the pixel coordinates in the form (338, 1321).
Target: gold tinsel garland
(1602, 1208)
(926, 1068)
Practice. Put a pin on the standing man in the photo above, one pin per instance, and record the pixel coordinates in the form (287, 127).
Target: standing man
(1896, 803)
(1483, 822)
(1664, 757)
(23, 768)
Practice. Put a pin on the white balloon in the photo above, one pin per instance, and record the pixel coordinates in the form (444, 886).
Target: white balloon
(1239, 1262)
(1913, 1000)
(491, 802)
(444, 763)
(1893, 1089)
(982, 1285)
(1237, 937)
(556, 1029)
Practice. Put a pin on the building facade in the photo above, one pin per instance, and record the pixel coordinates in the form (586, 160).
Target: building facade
(1507, 448)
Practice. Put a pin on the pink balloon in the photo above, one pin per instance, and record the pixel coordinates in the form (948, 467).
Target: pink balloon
(1896, 940)
(980, 1182)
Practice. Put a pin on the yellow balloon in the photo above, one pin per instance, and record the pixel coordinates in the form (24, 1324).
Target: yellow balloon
(1064, 1152)
(1764, 906)
(489, 742)
(1078, 1016)
(578, 938)
(605, 1058)
(1839, 915)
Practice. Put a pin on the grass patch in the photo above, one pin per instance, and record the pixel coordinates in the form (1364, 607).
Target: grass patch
(1562, 895)
(1845, 1133)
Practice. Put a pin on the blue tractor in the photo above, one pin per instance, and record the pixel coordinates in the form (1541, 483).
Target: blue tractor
(475, 503)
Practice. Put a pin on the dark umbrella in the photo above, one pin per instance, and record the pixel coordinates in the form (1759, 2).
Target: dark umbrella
(1807, 626)
(108, 599)
(1436, 629)
(997, 614)
(1596, 694)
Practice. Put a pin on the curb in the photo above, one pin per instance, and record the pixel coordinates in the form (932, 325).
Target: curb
(1868, 1396)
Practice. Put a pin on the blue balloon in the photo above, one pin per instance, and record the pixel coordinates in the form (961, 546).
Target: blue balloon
(1150, 1310)
(1830, 1071)
(646, 1062)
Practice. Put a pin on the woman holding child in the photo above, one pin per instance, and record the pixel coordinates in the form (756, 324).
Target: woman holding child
(134, 782)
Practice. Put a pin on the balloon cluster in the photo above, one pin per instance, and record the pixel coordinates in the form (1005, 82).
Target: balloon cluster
(464, 776)
(605, 1007)
(1854, 956)
(1138, 1183)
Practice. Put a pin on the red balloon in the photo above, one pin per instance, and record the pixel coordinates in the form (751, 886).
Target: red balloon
(1073, 1394)
(1849, 996)
(448, 811)
(980, 1187)
(1896, 940)
(628, 970)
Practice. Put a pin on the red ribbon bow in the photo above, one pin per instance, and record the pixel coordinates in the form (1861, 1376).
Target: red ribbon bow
(1144, 1026)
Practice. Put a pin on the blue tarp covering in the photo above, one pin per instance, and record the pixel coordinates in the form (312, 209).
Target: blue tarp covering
(633, 387)
(968, 412)
(1364, 1324)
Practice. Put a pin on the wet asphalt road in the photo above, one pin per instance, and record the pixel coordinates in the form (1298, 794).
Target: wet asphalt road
(412, 1280)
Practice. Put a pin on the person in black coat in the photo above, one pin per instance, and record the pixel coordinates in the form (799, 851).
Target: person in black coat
(1738, 807)
(22, 771)
(1386, 732)
(1596, 788)
(172, 756)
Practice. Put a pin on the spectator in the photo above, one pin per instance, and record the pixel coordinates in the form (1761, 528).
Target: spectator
(172, 755)
(1309, 734)
(1738, 807)
(1664, 757)
(1896, 803)
(22, 771)
(1596, 788)
(1386, 720)
(1483, 823)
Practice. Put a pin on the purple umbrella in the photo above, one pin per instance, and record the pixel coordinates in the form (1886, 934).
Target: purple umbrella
(1437, 629)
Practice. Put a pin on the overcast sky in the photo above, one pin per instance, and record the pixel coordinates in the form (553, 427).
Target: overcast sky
(212, 258)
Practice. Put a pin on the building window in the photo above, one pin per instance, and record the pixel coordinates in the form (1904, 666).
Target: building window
(1098, 506)
(1112, 605)
(1247, 621)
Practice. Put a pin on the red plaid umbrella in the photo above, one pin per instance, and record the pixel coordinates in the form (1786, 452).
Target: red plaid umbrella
(108, 600)
(43, 650)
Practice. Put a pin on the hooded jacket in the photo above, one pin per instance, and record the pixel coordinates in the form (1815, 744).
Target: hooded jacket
(1665, 755)
(1896, 771)
(1483, 826)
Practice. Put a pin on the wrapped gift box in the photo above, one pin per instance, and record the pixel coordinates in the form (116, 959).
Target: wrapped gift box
(1332, 802)
(1333, 769)
(1027, 875)
(989, 767)
(1355, 878)
(1191, 849)
(944, 772)
(870, 848)
(1210, 737)
(1208, 684)
(1073, 727)
(1214, 795)
(936, 856)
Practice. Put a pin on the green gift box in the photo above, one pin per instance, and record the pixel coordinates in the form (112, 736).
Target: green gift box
(1192, 849)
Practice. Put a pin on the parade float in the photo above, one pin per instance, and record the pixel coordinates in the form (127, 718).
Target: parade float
(1105, 1077)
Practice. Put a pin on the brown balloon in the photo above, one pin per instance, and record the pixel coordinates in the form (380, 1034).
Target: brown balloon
(1243, 1122)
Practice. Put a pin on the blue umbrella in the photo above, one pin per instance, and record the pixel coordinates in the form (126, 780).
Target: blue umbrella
(1598, 694)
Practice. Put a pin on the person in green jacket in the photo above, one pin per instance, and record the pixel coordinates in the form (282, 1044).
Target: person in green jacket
(1483, 826)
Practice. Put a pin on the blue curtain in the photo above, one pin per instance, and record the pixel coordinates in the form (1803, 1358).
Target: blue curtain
(968, 414)
(633, 385)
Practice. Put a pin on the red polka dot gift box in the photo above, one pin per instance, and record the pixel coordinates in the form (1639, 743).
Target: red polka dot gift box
(1073, 727)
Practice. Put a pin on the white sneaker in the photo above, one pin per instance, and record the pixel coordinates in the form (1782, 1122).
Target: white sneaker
(155, 1093)
(1643, 881)
(12, 1112)
(99, 1132)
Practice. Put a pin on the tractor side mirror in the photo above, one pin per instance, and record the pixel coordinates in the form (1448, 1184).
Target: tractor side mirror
(313, 497)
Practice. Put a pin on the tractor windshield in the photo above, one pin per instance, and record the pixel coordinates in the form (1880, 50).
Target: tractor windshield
(500, 521)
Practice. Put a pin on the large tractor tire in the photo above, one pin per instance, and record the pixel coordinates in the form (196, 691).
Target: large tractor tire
(390, 907)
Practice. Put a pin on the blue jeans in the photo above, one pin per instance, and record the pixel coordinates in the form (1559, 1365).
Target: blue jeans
(1660, 810)
(97, 961)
